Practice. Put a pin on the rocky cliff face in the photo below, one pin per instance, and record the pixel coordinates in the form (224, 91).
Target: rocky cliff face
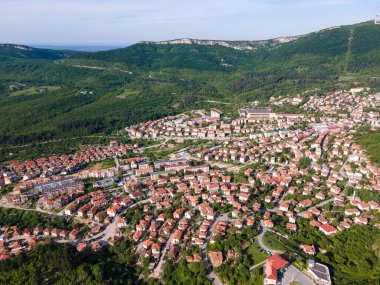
(238, 45)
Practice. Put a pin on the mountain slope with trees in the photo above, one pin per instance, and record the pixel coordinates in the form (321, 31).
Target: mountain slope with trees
(148, 81)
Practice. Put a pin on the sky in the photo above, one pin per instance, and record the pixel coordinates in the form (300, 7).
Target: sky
(122, 22)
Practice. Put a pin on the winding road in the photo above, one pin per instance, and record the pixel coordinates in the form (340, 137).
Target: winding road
(213, 277)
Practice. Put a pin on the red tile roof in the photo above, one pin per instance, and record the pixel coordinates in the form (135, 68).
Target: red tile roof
(273, 264)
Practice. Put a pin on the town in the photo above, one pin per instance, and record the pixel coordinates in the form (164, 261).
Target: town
(207, 177)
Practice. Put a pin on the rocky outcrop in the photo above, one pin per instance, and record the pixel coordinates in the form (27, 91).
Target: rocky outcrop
(238, 45)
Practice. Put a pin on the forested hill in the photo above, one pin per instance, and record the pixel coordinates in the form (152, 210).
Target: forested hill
(361, 40)
(76, 94)
(21, 51)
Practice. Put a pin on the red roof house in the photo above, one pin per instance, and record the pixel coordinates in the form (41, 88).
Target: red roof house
(273, 264)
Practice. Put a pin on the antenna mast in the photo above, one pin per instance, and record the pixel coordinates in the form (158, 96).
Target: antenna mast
(377, 19)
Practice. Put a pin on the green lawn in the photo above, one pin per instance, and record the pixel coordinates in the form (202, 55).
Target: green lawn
(107, 163)
(128, 93)
(255, 250)
(34, 90)
(274, 241)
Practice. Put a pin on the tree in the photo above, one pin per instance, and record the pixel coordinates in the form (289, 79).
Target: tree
(303, 163)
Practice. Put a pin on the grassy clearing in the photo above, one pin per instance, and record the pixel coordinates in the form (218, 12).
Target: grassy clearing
(107, 163)
(128, 93)
(255, 250)
(35, 90)
(274, 241)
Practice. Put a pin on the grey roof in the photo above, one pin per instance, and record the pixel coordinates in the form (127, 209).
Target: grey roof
(321, 271)
(259, 111)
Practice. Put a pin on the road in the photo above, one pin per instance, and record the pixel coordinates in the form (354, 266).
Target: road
(292, 273)
(237, 168)
(116, 162)
(194, 138)
(215, 279)
(57, 140)
(108, 232)
(4, 205)
(158, 270)
(218, 102)
(261, 241)
(213, 163)
(318, 205)
(155, 145)
(101, 68)
(258, 264)
(39, 210)
(224, 217)
(277, 204)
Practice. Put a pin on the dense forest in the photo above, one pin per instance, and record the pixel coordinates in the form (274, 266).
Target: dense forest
(54, 263)
(75, 94)
(370, 142)
(185, 274)
(31, 219)
(352, 255)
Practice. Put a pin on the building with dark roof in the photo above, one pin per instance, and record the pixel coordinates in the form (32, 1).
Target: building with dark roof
(320, 272)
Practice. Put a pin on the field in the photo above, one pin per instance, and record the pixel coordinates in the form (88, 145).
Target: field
(127, 93)
(107, 163)
(255, 250)
(274, 241)
(34, 90)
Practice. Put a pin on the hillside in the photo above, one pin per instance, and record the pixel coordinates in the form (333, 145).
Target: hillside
(21, 51)
(150, 80)
(150, 56)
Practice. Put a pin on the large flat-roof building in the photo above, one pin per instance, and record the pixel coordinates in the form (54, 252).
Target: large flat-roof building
(63, 184)
(259, 114)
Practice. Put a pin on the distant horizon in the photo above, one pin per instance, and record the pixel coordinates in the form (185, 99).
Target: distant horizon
(89, 48)
(123, 22)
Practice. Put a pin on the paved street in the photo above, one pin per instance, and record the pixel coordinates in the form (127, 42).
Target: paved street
(261, 241)
(158, 270)
(215, 279)
(116, 162)
(323, 203)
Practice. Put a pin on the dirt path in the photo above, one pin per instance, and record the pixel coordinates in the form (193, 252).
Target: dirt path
(52, 141)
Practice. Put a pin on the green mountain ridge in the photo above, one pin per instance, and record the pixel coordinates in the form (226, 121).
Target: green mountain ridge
(22, 51)
(147, 80)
